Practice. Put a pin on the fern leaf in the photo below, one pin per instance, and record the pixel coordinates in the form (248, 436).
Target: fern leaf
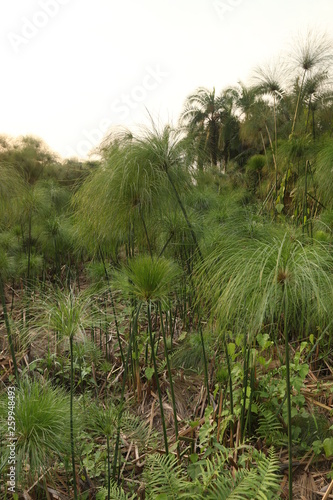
(164, 478)
(269, 479)
(116, 493)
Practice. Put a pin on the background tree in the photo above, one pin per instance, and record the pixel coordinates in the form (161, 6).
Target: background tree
(314, 51)
(202, 118)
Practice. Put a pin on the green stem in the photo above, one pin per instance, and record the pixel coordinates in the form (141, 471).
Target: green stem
(245, 380)
(29, 249)
(308, 115)
(113, 307)
(81, 383)
(249, 414)
(184, 213)
(9, 333)
(205, 363)
(71, 416)
(109, 470)
(305, 199)
(146, 231)
(156, 377)
(274, 160)
(290, 466)
(297, 104)
(230, 378)
(169, 374)
(166, 244)
(275, 142)
(122, 396)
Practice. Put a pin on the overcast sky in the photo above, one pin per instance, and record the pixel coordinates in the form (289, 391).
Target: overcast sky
(73, 68)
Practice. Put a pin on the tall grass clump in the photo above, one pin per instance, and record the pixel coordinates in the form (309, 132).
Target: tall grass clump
(41, 428)
(149, 281)
(67, 315)
(282, 281)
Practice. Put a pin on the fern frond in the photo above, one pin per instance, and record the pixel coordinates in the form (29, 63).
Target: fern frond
(270, 427)
(269, 479)
(164, 478)
(261, 482)
(116, 493)
(212, 470)
(242, 488)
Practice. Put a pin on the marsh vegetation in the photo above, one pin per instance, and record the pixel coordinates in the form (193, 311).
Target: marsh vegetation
(166, 310)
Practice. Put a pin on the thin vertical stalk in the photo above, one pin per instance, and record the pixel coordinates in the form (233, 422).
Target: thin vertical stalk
(275, 143)
(136, 371)
(132, 334)
(205, 363)
(173, 324)
(133, 240)
(263, 144)
(113, 307)
(166, 244)
(81, 382)
(156, 377)
(305, 199)
(297, 104)
(146, 231)
(29, 248)
(9, 332)
(170, 375)
(230, 378)
(71, 416)
(107, 351)
(308, 115)
(109, 469)
(171, 329)
(249, 415)
(184, 213)
(274, 159)
(13, 296)
(77, 274)
(290, 442)
(245, 380)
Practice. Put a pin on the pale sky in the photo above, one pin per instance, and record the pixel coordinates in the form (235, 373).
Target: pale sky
(73, 68)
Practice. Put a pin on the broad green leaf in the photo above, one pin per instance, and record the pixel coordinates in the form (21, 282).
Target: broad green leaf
(149, 372)
(303, 346)
(328, 447)
(231, 348)
(303, 371)
(317, 447)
